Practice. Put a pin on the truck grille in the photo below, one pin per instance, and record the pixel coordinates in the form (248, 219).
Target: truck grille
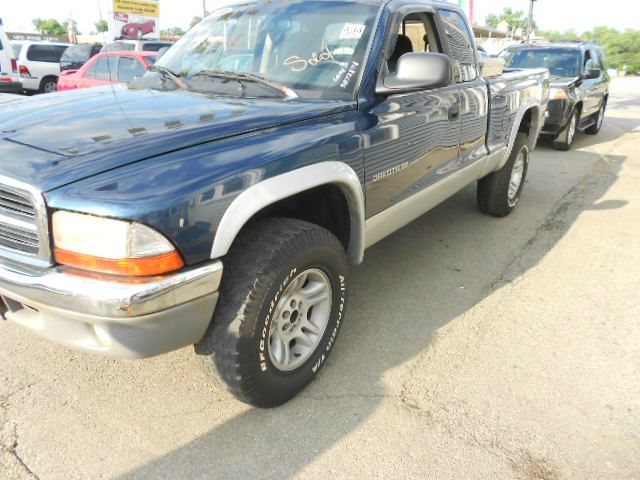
(22, 232)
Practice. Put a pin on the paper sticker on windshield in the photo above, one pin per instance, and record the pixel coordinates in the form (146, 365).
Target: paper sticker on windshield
(352, 31)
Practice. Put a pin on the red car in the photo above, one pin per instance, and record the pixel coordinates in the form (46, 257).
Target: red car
(107, 69)
(137, 30)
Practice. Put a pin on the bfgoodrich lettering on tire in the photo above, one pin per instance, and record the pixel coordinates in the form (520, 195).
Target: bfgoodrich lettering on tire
(281, 306)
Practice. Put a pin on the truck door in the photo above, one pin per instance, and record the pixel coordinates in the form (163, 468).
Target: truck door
(474, 94)
(409, 138)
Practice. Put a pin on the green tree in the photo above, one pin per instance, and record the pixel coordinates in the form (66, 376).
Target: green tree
(197, 19)
(514, 18)
(555, 36)
(102, 26)
(50, 26)
(173, 32)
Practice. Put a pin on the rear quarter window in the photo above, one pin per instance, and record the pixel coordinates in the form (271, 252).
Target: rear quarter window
(45, 53)
(460, 43)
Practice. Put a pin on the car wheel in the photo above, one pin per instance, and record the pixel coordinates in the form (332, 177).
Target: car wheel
(49, 85)
(564, 141)
(599, 120)
(499, 193)
(281, 306)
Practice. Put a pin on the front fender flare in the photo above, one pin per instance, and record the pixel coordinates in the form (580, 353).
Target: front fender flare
(274, 189)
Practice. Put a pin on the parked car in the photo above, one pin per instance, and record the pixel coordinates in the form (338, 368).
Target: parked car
(579, 86)
(222, 208)
(135, 46)
(9, 77)
(107, 69)
(138, 30)
(39, 64)
(76, 56)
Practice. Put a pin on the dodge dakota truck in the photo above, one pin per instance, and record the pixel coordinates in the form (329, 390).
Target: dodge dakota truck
(219, 199)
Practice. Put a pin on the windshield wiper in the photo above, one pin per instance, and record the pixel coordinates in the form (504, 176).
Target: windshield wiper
(168, 74)
(249, 77)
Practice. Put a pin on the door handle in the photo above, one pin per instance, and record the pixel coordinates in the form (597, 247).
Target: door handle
(454, 112)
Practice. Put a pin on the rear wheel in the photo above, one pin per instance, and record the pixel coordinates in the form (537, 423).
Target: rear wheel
(499, 192)
(49, 85)
(564, 141)
(281, 306)
(599, 120)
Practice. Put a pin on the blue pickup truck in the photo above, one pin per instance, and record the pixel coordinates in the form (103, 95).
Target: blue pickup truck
(218, 200)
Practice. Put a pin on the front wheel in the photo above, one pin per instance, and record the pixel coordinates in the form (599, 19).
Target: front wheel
(281, 306)
(499, 193)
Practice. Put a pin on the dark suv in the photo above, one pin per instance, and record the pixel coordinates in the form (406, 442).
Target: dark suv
(579, 86)
(76, 56)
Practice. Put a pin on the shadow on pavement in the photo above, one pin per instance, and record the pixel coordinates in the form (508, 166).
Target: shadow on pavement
(410, 285)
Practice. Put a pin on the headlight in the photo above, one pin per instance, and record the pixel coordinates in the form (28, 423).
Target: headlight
(111, 246)
(557, 94)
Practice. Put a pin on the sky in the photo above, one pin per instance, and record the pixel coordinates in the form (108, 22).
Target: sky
(580, 15)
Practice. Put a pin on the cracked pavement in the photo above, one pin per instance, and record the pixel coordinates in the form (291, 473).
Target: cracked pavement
(473, 347)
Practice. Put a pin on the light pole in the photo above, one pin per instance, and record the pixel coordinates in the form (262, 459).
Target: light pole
(204, 8)
(530, 23)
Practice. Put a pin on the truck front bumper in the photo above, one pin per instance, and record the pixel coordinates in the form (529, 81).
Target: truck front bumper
(124, 318)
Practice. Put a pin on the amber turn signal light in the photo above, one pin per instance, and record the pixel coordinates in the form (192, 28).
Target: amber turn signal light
(131, 267)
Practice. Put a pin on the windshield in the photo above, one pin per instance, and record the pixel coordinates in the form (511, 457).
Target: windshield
(315, 48)
(560, 62)
(77, 53)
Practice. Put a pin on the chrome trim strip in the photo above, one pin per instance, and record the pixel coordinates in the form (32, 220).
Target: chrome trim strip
(269, 191)
(43, 258)
(107, 296)
(14, 222)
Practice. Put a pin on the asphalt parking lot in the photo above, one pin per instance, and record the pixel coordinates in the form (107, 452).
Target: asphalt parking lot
(474, 347)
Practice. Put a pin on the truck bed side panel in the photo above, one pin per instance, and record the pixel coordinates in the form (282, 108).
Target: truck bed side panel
(511, 94)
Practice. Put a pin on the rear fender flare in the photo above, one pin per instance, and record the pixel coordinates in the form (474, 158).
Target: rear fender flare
(532, 104)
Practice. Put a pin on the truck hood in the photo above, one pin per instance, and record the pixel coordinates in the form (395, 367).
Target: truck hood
(53, 140)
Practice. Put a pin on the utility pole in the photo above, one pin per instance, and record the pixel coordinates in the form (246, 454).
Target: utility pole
(204, 8)
(530, 23)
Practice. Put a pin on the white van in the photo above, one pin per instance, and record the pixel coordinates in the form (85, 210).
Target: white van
(39, 64)
(9, 76)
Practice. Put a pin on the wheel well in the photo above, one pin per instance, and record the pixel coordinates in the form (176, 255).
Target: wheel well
(579, 109)
(526, 122)
(48, 77)
(325, 205)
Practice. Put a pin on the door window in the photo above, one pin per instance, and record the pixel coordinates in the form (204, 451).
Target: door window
(461, 44)
(103, 69)
(129, 68)
(597, 59)
(417, 33)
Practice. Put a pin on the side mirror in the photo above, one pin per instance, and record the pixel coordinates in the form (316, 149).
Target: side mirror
(592, 73)
(417, 71)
